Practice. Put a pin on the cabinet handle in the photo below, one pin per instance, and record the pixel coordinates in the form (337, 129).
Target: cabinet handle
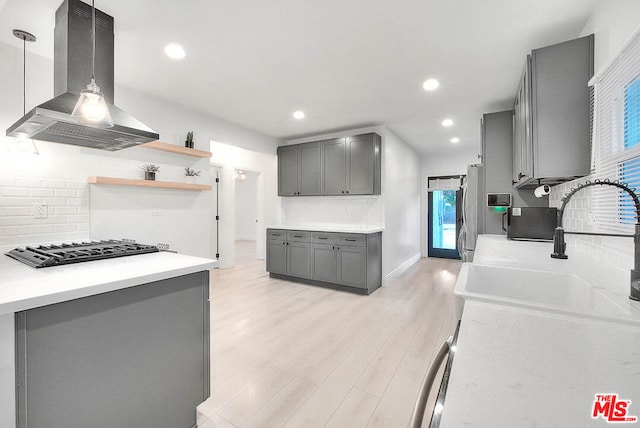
(333, 248)
(349, 240)
(297, 236)
(322, 237)
(343, 191)
(275, 234)
(347, 191)
(520, 175)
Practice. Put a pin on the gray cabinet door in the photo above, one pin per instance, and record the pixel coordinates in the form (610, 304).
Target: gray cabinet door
(360, 158)
(522, 129)
(309, 169)
(287, 170)
(299, 259)
(277, 257)
(352, 266)
(333, 167)
(325, 263)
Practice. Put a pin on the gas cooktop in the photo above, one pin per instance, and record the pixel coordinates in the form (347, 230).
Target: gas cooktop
(63, 254)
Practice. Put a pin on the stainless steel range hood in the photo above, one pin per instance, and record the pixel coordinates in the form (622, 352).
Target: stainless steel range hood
(51, 121)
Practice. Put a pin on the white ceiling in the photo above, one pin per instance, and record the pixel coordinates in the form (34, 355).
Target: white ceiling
(346, 63)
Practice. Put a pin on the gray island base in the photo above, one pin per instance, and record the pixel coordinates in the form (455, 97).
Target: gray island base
(344, 261)
(138, 356)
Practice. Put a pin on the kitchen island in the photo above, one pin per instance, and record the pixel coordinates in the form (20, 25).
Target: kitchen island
(540, 360)
(118, 342)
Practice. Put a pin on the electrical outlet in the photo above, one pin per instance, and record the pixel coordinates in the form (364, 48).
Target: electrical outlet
(162, 246)
(40, 211)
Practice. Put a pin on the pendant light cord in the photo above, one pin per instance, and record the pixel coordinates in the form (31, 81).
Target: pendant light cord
(24, 75)
(93, 40)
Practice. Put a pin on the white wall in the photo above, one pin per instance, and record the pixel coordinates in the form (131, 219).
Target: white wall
(403, 199)
(229, 158)
(613, 22)
(179, 218)
(246, 207)
(397, 209)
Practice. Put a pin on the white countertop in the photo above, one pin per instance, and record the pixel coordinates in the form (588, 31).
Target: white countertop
(23, 287)
(329, 228)
(523, 368)
(516, 366)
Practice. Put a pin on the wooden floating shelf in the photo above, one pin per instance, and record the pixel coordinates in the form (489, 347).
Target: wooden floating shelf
(147, 183)
(172, 148)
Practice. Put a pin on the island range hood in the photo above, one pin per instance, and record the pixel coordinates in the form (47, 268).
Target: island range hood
(52, 121)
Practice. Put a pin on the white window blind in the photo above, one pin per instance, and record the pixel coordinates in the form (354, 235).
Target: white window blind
(616, 139)
(443, 183)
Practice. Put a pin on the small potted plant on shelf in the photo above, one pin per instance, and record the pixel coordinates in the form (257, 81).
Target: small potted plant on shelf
(150, 171)
(189, 141)
(191, 175)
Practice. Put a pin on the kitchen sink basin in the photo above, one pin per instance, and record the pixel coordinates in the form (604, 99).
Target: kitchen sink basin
(549, 291)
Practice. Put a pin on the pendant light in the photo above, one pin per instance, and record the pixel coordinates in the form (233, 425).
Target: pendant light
(91, 108)
(23, 143)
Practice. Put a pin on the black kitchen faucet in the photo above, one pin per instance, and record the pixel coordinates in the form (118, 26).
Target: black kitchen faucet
(559, 245)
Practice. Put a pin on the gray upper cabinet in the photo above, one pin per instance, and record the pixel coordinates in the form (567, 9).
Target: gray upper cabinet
(341, 166)
(551, 139)
(299, 170)
(360, 154)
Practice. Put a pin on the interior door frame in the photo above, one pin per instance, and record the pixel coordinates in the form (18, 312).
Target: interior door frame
(441, 252)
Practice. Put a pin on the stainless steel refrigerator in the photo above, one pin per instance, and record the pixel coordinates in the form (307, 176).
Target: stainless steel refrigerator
(472, 211)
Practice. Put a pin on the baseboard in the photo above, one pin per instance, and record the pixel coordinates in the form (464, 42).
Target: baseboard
(400, 269)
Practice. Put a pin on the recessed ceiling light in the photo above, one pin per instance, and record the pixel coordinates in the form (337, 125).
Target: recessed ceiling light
(299, 114)
(174, 51)
(455, 140)
(430, 84)
(447, 122)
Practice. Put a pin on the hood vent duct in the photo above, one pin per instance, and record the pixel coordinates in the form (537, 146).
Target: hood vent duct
(52, 121)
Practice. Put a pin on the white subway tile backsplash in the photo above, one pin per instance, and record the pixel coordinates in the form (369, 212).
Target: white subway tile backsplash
(13, 191)
(67, 211)
(41, 192)
(577, 218)
(54, 184)
(28, 182)
(65, 193)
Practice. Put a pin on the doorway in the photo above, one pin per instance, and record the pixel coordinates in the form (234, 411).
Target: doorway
(444, 222)
(246, 214)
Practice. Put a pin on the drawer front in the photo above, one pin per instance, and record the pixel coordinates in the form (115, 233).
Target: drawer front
(352, 239)
(298, 236)
(325, 238)
(277, 234)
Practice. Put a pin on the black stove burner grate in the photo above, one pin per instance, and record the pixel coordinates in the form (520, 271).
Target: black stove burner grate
(63, 254)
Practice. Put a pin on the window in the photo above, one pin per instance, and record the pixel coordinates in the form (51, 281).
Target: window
(630, 169)
(616, 140)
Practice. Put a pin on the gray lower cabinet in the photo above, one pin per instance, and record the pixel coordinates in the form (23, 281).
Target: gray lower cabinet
(352, 263)
(137, 357)
(289, 253)
(349, 261)
(277, 256)
(299, 259)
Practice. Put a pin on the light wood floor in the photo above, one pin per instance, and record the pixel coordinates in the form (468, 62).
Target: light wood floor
(290, 355)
